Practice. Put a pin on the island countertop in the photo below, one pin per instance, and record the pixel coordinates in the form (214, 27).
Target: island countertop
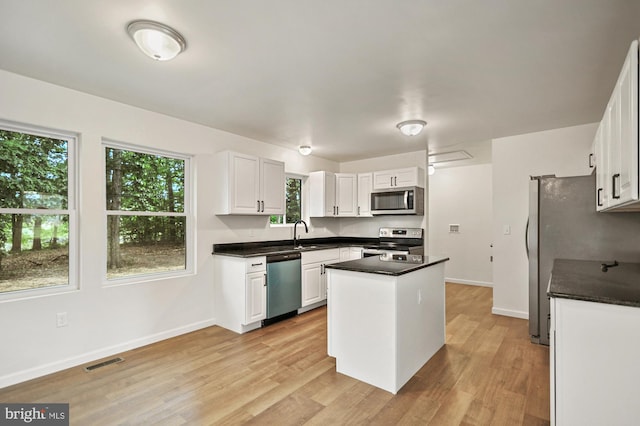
(388, 264)
(585, 280)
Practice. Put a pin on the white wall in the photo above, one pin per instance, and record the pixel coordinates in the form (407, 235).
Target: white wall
(563, 152)
(107, 320)
(462, 195)
(368, 227)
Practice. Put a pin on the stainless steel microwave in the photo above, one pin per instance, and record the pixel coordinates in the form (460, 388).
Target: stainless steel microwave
(398, 201)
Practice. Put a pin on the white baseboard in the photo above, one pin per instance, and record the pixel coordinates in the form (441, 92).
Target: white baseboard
(468, 282)
(510, 313)
(42, 370)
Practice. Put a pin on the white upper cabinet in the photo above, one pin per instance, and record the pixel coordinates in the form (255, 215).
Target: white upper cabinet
(346, 194)
(398, 178)
(332, 194)
(617, 167)
(272, 183)
(248, 185)
(365, 185)
(602, 167)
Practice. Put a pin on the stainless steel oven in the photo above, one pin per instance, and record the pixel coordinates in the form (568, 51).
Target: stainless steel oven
(398, 201)
(397, 241)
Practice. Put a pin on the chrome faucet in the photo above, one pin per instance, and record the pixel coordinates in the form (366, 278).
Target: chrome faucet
(295, 226)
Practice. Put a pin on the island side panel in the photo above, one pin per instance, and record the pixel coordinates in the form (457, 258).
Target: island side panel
(363, 326)
(421, 319)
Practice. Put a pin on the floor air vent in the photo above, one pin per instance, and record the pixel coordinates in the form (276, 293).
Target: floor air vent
(103, 364)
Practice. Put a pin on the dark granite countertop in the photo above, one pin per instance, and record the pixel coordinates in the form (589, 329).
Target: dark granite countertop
(385, 265)
(584, 280)
(263, 248)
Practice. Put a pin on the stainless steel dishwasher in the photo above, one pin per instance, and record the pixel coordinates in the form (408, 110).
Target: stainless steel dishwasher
(284, 287)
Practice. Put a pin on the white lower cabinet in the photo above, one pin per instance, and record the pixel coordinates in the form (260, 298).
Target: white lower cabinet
(255, 301)
(594, 368)
(240, 294)
(350, 253)
(314, 279)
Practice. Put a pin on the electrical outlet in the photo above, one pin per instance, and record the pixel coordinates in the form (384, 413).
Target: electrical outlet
(61, 319)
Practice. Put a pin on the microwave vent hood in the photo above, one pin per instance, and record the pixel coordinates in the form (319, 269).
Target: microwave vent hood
(398, 201)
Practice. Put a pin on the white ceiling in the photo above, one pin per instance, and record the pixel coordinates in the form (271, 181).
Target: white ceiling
(339, 74)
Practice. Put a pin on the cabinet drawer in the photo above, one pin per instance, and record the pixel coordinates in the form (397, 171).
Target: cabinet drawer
(321, 256)
(256, 264)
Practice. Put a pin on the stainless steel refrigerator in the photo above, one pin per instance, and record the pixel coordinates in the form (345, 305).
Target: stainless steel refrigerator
(563, 224)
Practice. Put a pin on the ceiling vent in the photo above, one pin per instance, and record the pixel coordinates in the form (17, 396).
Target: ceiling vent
(442, 157)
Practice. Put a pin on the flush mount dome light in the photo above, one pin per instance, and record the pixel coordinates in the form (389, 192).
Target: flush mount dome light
(431, 170)
(304, 149)
(411, 127)
(157, 40)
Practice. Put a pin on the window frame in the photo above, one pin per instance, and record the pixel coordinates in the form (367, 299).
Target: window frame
(72, 139)
(303, 216)
(190, 249)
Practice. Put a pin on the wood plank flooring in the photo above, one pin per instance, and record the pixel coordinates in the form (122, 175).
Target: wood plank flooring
(488, 373)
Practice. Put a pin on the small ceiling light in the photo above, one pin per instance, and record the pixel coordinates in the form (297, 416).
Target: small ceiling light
(411, 127)
(157, 40)
(304, 149)
(431, 170)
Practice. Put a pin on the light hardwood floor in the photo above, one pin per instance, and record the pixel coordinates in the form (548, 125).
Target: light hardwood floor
(487, 373)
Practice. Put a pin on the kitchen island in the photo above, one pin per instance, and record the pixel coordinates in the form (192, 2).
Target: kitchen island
(594, 342)
(386, 316)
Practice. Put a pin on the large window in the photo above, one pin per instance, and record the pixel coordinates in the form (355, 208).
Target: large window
(147, 212)
(293, 199)
(37, 218)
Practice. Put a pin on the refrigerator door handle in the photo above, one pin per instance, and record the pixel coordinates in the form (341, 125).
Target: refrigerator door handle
(526, 238)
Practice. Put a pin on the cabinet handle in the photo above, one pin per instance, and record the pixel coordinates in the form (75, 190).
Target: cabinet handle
(262, 205)
(358, 210)
(256, 264)
(395, 181)
(258, 209)
(337, 210)
(614, 193)
(391, 183)
(599, 197)
(322, 269)
(591, 161)
(265, 280)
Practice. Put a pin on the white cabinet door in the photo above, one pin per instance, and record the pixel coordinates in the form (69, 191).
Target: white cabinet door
(322, 194)
(594, 363)
(617, 167)
(344, 254)
(248, 185)
(602, 166)
(627, 185)
(272, 183)
(312, 286)
(365, 185)
(346, 194)
(355, 253)
(399, 178)
(255, 298)
(244, 183)
(383, 180)
(407, 177)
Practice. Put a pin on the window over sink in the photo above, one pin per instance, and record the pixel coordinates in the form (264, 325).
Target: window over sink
(293, 202)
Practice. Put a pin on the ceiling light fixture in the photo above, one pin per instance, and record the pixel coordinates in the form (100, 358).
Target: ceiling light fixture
(156, 40)
(411, 127)
(431, 170)
(304, 149)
